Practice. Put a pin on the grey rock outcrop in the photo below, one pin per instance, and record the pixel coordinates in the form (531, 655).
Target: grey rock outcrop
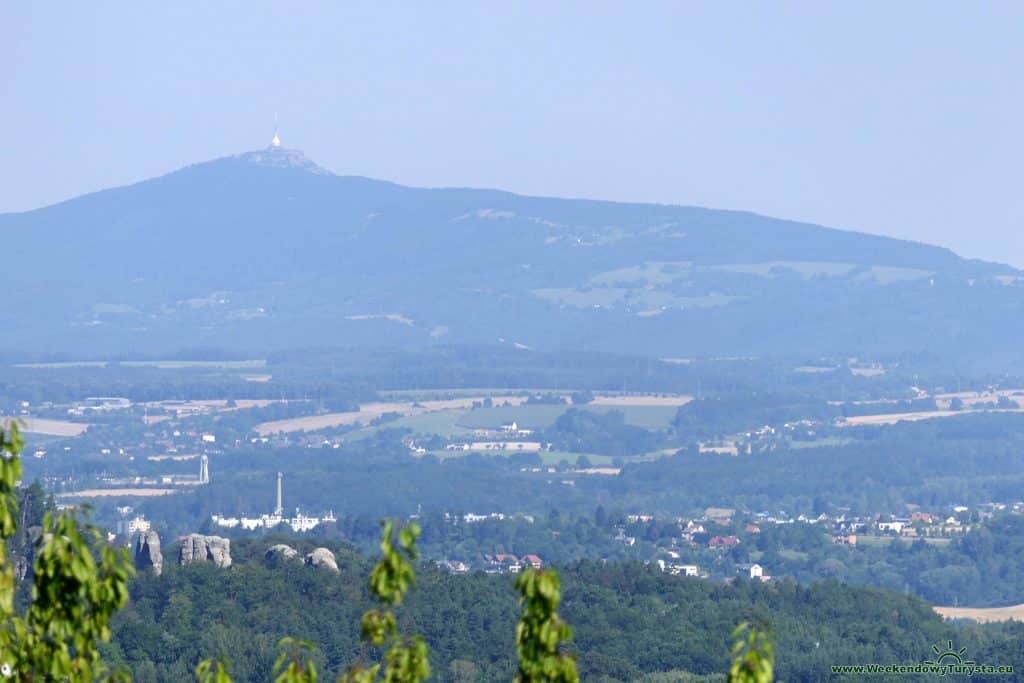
(280, 552)
(322, 558)
(147, 552)
(200, 548)
(30, 539)
(22, 567)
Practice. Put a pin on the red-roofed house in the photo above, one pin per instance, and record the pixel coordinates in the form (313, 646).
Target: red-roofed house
(532, 560)
(723, 541)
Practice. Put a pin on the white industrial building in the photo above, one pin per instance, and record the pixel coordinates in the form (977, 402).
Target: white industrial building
(299, 523)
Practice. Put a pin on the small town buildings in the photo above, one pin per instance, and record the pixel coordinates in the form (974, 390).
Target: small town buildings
(505, 563)
(678, 569)
(752, 571)
(454, 566)
(894, 526)
(533, 561)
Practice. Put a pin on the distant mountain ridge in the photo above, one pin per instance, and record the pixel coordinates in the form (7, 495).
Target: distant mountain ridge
(267, 250)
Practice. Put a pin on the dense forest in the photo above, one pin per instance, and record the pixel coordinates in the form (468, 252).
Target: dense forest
(630, 621)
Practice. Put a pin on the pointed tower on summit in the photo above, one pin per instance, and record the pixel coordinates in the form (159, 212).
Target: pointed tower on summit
(276, 142)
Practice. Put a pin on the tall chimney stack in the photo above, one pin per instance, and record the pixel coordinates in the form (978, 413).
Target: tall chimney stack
(279, 510)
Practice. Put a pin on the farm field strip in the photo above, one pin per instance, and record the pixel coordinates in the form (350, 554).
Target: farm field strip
(35, 425)
(983, 614)
(108, 493)
(641, 401)
(893, 418)
(369, 411)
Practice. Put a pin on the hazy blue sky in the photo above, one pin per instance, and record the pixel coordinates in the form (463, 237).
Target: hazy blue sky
(895, 118)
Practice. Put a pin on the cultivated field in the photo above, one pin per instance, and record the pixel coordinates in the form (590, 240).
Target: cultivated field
(107, 493)
(983, 614)
(201, 364)
(368, 411)
(36, 425)
(215, 404)
(720, 450)
(893, 418)
(69, 364)
(971, 398)
(641, 401)
(541, 416)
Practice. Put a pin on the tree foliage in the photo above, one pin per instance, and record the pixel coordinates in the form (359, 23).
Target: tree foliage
(541, 634)
(78, 584)
(753, 655)
(407, 659)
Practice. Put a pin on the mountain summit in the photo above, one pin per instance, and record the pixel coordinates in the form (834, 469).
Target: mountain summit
(267, 249)
(279, 157)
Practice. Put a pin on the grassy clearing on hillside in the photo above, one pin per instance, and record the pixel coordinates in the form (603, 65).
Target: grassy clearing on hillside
(556, 457)
(889, 540)
(526, 416)
(442, 423)
(543, 416)
(793, 555)
(548, 458)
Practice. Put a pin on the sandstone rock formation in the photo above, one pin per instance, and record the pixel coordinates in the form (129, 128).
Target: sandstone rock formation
(322, 558)
(22, 567)
(200, 548)
(147, 552)
(280, 552)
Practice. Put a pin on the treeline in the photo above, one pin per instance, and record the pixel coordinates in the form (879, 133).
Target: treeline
(329, 372)
(605, 433)
(75, 383)
(722, 416)
(630, 621)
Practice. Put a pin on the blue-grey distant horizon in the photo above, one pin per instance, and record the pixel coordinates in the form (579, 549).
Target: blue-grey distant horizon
(900, 120)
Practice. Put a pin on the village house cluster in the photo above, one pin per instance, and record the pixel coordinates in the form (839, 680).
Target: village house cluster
(498, 563)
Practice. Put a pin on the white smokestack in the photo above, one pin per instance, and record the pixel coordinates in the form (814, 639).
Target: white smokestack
(279, 510)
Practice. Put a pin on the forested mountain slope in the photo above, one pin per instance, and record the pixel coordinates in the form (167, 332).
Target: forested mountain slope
(267, 250)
